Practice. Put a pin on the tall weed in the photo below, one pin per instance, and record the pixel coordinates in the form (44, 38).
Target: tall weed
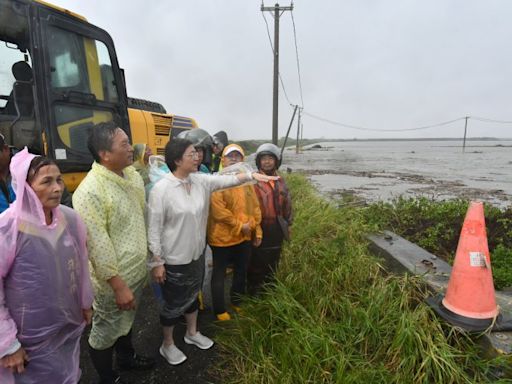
(334, 316)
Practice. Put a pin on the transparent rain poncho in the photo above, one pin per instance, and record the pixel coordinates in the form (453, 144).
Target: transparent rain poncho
(44, 285)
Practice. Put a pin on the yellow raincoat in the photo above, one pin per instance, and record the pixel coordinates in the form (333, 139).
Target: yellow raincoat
(112, 208)
(229, 210)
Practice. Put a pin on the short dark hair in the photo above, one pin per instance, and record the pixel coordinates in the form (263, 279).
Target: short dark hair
(36, 164)
(2, 140)
(174, 151)
(101, 138)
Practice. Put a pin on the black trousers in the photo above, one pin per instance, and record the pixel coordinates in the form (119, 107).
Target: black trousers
(180, 291)
(102, 359)
(262, 265)
(238, 255)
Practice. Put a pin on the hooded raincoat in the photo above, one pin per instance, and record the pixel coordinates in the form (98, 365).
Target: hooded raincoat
(44, 285)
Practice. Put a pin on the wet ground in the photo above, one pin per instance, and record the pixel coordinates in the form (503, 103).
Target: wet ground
(383, 170)
(147, 338)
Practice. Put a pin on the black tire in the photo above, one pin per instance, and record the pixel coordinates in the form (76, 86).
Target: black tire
(146, 105)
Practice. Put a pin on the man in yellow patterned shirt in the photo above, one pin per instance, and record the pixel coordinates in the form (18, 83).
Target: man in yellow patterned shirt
(110, 200)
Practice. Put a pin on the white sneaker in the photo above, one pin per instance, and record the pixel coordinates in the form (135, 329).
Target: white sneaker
(172, 354)
(199, 340)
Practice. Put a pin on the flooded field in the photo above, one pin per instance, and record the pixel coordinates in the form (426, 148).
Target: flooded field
(383, 170)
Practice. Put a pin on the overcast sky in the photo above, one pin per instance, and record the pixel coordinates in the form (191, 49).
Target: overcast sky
(370, 63)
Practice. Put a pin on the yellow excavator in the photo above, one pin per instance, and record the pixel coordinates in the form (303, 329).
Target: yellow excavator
(59, 75)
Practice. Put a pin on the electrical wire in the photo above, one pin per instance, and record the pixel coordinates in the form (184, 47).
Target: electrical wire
(301, 108)
(297, 56)
(381, 130)
(273, 53)
(486, 120)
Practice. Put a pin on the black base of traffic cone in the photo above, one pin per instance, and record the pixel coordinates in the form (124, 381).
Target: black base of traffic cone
(467, 323)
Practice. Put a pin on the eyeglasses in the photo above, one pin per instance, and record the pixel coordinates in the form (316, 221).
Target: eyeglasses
(192, 155)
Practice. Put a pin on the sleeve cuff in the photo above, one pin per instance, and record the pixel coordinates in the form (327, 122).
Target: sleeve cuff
(12, 348)
(155, 261)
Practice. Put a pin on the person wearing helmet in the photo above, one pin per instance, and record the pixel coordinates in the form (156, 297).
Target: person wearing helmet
(203, 143)
(234, 223)
(220, 140)
(276, 212)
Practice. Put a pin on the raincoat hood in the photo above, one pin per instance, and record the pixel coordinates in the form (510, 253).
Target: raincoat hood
(27, 205)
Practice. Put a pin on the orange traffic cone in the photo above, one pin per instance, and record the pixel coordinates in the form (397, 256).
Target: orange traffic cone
(470, 300)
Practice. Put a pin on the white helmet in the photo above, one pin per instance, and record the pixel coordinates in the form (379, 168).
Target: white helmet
(268, 149)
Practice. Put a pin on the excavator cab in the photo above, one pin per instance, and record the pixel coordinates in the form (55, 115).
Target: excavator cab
(58, 77)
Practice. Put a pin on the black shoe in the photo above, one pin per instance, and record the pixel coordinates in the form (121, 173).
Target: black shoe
(136, 362)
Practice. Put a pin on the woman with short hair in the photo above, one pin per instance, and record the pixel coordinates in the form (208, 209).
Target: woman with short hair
(177, 217)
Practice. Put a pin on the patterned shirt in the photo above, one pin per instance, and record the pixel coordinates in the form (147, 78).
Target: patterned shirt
(112, 208)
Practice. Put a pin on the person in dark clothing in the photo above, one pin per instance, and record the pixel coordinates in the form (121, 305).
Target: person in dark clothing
(220, 141)
(276, 212)
(7, 194)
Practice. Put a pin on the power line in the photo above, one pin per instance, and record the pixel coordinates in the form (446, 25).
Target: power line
(382, 130)
(486, 120)
(297, 56)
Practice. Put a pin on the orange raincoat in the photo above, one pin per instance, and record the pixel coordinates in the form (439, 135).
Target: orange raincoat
(229, 210)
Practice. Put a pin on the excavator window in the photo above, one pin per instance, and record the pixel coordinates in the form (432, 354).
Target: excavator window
(80, 64)
(81, 72)
(16, 76)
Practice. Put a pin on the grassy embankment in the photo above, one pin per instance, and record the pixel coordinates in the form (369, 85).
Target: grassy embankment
(336, 316)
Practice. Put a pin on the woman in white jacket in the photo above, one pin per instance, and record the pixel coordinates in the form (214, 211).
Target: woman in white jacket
(177, 217)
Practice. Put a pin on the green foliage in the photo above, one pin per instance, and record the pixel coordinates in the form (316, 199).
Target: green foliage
(436, 227)
(334, 316)
(502, 266)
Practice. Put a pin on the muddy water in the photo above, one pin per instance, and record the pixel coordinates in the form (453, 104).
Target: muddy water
(383, 170)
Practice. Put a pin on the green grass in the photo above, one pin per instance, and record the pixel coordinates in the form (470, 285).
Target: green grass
(335, 316)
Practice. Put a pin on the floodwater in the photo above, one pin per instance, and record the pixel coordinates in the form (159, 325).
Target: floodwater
(383, 170)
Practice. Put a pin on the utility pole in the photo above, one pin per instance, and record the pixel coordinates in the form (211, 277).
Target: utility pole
(288, 132)
(465, 131)
(278, 11)
(297, 145)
